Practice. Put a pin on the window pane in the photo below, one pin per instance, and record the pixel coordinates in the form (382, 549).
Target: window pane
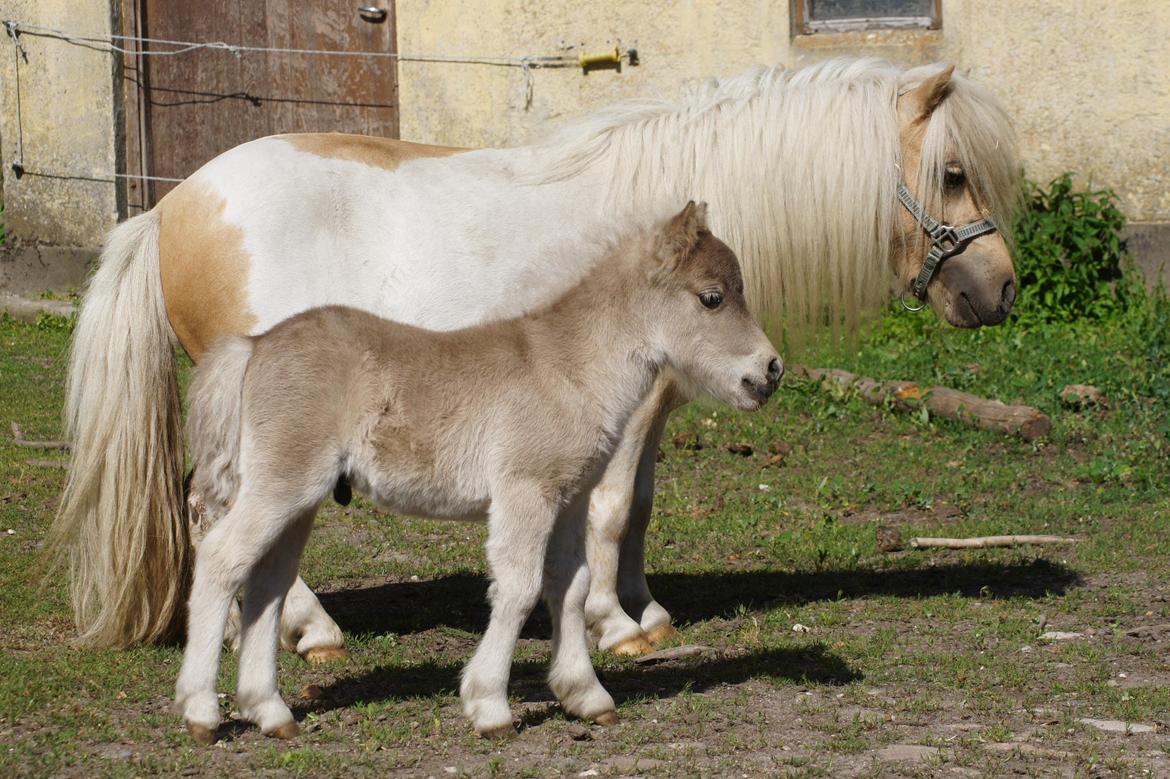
(867, 9)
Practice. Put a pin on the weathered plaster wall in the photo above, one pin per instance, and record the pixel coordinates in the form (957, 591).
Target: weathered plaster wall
(67, 126)
(1087, 84)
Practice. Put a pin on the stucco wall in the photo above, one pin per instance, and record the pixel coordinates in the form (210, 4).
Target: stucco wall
(66, 125)
(1088, 85)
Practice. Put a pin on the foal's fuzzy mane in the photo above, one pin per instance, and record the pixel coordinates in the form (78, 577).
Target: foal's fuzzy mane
(814, 236)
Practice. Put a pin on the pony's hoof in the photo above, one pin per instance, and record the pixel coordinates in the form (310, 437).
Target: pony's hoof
(632, 647)
(498, 733)
(606, 718)
(319, 655)
(286, 731)
(202, 734)
(662, 634)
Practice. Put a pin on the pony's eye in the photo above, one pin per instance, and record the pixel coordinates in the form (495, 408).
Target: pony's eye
(711, 299)
(954, 178)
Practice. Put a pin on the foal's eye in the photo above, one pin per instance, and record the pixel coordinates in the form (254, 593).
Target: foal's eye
(955, 177)
(711, 299)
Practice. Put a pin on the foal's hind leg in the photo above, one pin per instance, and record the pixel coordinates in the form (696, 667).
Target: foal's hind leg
(225, 558)
(264, 593)
(566, 583)
(305, 627)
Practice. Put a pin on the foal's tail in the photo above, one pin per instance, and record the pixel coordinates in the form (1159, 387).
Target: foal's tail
(122, 522)
(213, 425)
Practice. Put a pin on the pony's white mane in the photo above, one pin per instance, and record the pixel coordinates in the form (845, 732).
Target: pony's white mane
(801, 168)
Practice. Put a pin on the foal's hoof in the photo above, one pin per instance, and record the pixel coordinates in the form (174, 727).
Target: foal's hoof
(286, 731)
(319, 655)
(662, 634)
(606, 718)
(202, 734)
(632, 647)
(498, 733)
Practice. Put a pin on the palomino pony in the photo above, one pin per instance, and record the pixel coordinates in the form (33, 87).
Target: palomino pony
(511, 421)
(803, 170)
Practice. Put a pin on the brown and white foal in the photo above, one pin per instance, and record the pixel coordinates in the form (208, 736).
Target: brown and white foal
(512, 421)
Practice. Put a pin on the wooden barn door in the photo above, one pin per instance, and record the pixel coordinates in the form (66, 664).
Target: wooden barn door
(194, 105)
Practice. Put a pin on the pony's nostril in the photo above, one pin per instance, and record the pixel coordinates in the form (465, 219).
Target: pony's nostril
(1009, 296)
(775, 370)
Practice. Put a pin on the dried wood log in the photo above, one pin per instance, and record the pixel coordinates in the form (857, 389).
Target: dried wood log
(945, 402)
(47, 464)
(19, 439)
(983, 542)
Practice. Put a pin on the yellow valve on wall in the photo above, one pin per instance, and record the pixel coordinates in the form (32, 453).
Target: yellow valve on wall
(603, 58)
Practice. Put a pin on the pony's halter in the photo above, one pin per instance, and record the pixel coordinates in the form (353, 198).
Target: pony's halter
(945, 241)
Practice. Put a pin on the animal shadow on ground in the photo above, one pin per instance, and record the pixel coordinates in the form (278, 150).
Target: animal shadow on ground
(811, 664)
(460, 600)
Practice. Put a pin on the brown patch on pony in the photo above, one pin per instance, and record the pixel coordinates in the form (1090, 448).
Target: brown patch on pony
(386, 153)
(204, 268)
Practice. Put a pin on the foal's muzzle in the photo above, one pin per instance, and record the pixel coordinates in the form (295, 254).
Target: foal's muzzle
(762, 390)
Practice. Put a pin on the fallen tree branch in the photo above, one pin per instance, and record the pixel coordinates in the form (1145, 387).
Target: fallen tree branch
(47, 464)
(19, 439)
(983, 542)
(945, 402)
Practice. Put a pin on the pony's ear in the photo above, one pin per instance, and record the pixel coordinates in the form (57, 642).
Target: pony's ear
(680, 235)
(924, 98)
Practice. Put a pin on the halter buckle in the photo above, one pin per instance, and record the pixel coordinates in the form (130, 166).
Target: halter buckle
(947, 240)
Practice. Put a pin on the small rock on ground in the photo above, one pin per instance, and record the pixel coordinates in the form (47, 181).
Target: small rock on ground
(908, 752)
(1060, 635)
(1117, 726)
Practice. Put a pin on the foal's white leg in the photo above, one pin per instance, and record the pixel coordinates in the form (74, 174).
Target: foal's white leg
(305, 627)
(226, 556)
(621, 612)
(520, 522)
(258, 697)
(566, 583)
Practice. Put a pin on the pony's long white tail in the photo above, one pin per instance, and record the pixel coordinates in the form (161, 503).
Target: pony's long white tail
(214, 421)
(122, 520)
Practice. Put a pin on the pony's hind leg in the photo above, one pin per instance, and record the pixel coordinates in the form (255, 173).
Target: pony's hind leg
(224, 561)
(264, 595)
(566, 583)
(307, 629)
(519, 525)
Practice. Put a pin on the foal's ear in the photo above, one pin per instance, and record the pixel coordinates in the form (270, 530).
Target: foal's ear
(680, 235)
(921, 101)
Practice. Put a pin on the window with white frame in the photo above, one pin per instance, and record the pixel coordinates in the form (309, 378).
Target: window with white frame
(828, 16)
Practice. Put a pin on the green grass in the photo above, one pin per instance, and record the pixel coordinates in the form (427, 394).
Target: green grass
(932, 648)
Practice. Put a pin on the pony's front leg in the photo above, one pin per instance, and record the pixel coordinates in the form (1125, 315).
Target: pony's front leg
(620, 611)
(520, 522)
(566, 583)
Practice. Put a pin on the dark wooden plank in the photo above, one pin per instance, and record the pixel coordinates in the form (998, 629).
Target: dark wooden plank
(201, 103)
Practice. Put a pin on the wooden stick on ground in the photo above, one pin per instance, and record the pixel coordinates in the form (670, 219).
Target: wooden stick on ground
(19, 440)
(945, 402)
(982, 542)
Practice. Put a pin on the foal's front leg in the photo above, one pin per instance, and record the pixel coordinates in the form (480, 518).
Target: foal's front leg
(566, 583)
(520, 522)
